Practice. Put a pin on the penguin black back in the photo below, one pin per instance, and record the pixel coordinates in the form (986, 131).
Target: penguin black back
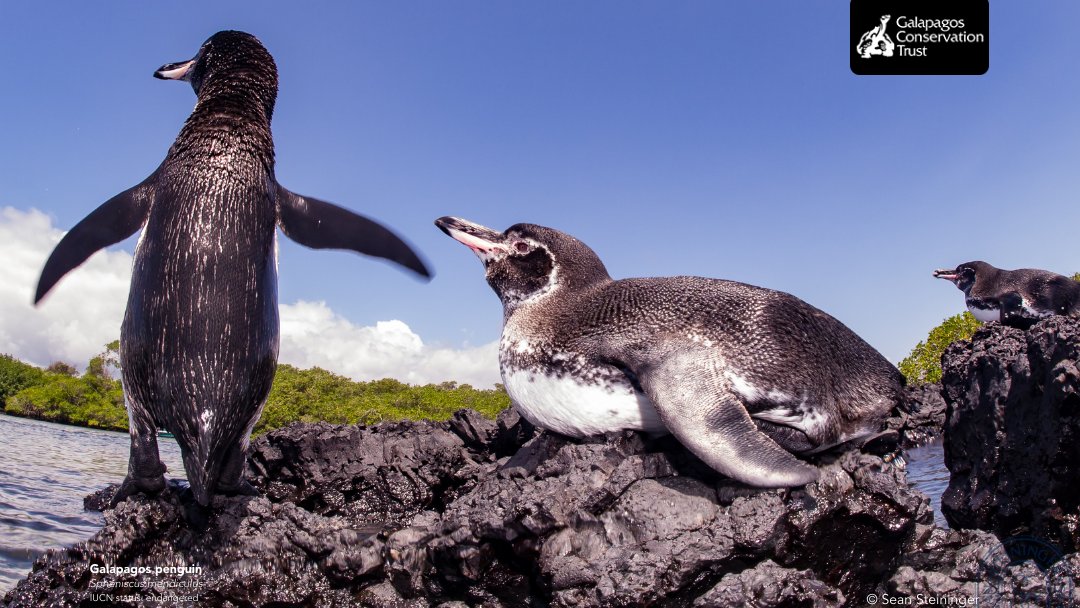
(199, 341)
(200, 336)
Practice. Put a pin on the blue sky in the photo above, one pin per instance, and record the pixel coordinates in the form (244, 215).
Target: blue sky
(722, 139)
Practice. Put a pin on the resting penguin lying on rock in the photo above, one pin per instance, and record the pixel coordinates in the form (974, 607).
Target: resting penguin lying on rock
(742, 376)
(1016, 298)
(199, 341)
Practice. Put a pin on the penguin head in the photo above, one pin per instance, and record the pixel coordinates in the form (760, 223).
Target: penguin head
(964, 275)
(228, 61)
(527, 262)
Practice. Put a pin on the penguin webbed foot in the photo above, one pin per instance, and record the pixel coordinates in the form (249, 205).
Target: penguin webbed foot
(241, 488)
(881, 444)
(149, 486)
(791, 439)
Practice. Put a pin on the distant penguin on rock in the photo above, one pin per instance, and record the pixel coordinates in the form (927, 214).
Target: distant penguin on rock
(742, 376)
(199, 341)
(1017, 298)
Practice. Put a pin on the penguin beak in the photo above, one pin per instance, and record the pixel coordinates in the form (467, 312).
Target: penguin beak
(176, 71)
(485, 242)
(947, 274)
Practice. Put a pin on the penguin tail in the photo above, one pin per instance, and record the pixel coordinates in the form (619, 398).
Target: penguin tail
(201, 477)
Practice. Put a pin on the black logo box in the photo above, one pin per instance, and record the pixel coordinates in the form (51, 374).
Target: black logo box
(917, 49)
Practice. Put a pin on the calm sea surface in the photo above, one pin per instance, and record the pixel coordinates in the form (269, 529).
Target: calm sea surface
(46, 469)
(926, 471)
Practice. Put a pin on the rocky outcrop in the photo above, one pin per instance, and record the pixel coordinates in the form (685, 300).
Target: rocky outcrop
(473, 512)
(493, 514)
(920, 418)
(973, 568)
(1012, 436)
(614, 522)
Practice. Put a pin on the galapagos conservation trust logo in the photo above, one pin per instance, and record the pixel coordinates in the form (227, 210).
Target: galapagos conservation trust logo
(920, 37)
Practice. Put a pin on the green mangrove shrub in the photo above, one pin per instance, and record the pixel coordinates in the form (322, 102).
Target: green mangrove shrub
(95, 399)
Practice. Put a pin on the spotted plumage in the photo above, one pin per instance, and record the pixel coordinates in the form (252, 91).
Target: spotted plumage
(1017, 298)
(199, 341)
(741, 375)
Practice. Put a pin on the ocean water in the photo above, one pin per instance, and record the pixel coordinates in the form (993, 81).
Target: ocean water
(926, 471)
(45, 471)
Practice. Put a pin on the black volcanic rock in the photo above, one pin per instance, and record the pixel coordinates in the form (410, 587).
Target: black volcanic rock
(973, 568)
(1012, 437)
(381, 476)
(920, 418)
(473, 512)
(316, 534)
(617, 522)
(462, 514)
(768, 584)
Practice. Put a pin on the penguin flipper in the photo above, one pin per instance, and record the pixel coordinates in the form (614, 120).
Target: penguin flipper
(1013, 313)
(115, 220)
(1011, 306)
(321, 225)
(702, 411)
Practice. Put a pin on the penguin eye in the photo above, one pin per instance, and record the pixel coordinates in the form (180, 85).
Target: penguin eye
(521, 246)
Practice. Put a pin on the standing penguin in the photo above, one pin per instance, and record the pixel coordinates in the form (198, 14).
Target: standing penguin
(1014, 297)
(199, 341)
(741, 375)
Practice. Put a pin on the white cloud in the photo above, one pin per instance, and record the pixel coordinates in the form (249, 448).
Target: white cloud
(313, 335)
(81, 314)
(84, 311)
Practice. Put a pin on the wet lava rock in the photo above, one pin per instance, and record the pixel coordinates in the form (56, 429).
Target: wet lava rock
(473, 512)
(1012, 436)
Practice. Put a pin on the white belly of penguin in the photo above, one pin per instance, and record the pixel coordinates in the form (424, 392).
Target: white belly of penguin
(575, 408)
(985, 315)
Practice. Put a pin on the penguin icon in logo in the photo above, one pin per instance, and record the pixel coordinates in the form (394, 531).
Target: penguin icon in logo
(876, 41)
